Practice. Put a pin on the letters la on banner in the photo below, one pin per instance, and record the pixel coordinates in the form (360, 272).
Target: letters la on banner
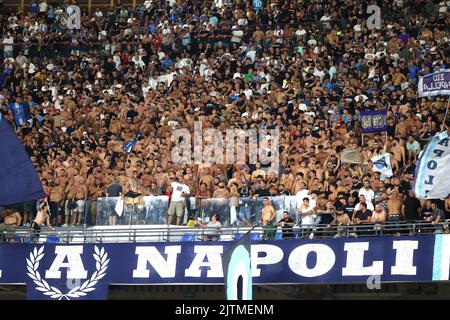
(61, 272)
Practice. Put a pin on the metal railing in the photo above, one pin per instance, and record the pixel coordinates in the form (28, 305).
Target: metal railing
(158, 233)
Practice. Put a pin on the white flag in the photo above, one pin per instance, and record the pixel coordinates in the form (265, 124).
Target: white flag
(432, 178)
(382, 164)
(119, 207)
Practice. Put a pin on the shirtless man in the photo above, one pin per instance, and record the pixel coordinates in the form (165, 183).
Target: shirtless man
(160, 178)
(221, 191)
(207, 178)
(55, 202)
(95, 191)
(267, 217)
(81, 193)
(287, 179)
(394, 205)
(258, 172)
(69, 201)
(41, 218)
(299, 183)
(11, 221)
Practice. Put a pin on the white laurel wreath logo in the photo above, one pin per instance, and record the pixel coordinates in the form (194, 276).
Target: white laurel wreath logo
(102, 261)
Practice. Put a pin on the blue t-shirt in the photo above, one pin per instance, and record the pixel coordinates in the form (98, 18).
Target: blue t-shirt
(34, 7)
(412, 72)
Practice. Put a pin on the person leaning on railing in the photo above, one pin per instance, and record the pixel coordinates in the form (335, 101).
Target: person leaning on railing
(437, 217)
(341, 221)
(213, 228)
(286, 224)
(11, 220)
(362, 216)
(379, 217)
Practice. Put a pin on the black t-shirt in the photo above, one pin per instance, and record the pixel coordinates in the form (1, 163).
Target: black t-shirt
(412, 206)
(262, 193)
(391, 130)
(114, 190)
(286, 228)
(363, 215)
(348, 209)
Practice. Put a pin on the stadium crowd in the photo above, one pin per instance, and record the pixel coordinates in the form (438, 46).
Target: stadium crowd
(307, 68)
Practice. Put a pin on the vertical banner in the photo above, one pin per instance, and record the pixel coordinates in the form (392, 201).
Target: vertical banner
(435, 84)
(237, 270)
(431, 179)
(373, 121)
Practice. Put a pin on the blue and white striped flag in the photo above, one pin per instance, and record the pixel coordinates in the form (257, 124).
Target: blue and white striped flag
(432, 179)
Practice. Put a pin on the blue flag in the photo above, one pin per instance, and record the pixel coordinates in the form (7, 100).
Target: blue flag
(21, 112)
(19, 181)
(435, 84)
(129, 145)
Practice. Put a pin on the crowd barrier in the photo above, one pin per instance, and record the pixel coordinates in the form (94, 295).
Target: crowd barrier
(236, 212)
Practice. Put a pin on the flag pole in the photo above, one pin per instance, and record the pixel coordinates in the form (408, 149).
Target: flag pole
(446, 113)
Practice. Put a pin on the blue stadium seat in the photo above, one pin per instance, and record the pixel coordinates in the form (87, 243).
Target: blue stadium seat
(28, 240)
(188, 237)
(278, 236)
(255, 236)
(52, 239)
(237, 236)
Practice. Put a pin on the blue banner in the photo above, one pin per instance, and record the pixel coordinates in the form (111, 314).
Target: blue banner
(435, 84)
(21, 112)
(373, 121)
(75, 271)
(19, 181)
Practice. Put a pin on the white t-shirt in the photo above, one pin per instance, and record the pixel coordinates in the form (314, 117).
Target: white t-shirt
(237, 36)
(43, 7)
(7, 41)
(307, 215)
(178, 189)
(368, 193)
(304, 193)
